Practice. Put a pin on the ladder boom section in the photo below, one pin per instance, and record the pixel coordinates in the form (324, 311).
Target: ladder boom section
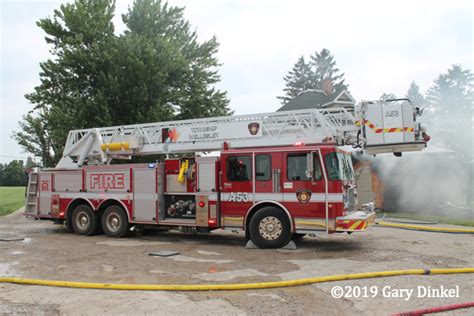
(310, 126)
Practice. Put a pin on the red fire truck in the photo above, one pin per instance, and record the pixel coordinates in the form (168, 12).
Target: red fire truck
(277, 175)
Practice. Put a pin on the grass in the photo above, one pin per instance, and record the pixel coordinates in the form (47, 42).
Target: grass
(431, 218)
(11, 199)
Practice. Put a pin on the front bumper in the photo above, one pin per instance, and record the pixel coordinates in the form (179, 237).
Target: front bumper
(355, 221)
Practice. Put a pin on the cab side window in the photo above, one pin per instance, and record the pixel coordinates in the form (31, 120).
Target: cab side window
(296, 167)
(239, 168)
(263, 167)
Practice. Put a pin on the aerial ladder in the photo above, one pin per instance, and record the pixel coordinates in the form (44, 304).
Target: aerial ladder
(389, 126)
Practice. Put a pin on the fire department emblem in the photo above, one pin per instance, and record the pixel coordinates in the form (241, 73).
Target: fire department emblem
(303, 196)
(253, 128)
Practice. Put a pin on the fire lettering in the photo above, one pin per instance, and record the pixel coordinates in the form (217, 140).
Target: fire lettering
(107, 180)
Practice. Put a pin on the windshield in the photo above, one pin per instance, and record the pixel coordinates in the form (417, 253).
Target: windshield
(339, 166)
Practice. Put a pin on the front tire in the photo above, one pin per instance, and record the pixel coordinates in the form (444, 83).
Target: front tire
(270, 228)
(115, 222)
(84, 220)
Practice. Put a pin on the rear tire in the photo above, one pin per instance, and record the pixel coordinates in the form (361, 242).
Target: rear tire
(270, 228)
(84, 220)
(115, 222)
(68, 225)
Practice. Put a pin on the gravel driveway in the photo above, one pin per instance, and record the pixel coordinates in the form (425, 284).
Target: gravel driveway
(50, 252)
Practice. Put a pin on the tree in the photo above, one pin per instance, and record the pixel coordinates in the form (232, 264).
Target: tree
(156, 71)
(415, 95)
(311, 75)
(13, 174)
(452, 91)
(297, 80)
(450, 111)
(2, 172)
(324, 67)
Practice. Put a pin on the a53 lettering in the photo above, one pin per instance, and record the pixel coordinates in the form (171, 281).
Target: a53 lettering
(239, 197)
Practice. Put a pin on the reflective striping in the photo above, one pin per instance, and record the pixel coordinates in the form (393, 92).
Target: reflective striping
(385, 130)
(352, 225)
(287, 197)
(318, 224)
(211, 196)
(233, 221)
(308, 222)
(96, 196)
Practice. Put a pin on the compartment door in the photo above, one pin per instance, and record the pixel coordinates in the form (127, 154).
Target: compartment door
(144, 195)
(45, 191)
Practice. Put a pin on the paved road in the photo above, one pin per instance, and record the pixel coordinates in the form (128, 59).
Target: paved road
(50, 252)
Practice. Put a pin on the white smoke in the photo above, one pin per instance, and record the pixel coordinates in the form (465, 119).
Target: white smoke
(437, 180)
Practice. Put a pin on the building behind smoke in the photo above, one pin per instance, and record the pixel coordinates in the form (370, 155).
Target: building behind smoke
(320, 99)
(433, 181)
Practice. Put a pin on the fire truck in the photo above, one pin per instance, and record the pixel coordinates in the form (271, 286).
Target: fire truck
(277, 176)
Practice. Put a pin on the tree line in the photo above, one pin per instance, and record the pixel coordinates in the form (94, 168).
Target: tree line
(14, 172)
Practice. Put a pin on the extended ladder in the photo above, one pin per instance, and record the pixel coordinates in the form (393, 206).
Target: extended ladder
(311, 126)
(382, 127)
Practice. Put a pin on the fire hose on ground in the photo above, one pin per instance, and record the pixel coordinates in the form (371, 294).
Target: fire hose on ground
(228, 287)
(383, 223)
(437, 309)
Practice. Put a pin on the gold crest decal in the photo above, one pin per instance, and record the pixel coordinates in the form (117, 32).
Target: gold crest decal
(303, 196)
(253, 128)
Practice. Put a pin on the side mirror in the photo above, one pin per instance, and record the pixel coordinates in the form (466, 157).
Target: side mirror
(310, 165)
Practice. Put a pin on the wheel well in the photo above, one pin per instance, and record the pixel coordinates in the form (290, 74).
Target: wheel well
(261, 205)
(73, 205)
(105, 204)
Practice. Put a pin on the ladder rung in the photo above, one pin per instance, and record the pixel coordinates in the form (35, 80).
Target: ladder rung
(30, 203)
(33, 182)
(32, 193)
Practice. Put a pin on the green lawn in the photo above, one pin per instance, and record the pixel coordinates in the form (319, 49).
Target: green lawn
(11, 199)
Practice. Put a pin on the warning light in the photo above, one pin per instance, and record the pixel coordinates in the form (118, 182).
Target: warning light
(299, 144)
(151, 165)
(212, 221)
(201, 204)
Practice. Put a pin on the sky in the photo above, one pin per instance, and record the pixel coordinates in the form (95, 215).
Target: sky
(381, 46)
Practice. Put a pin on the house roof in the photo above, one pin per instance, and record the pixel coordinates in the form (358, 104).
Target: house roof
(311, 99)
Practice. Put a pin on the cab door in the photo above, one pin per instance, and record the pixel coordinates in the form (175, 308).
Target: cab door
(236, 183)
(268, 172)
(303, 188)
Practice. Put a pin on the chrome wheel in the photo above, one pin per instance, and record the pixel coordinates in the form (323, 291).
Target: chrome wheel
(113, 222)
(82, 220)
(270, 228)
